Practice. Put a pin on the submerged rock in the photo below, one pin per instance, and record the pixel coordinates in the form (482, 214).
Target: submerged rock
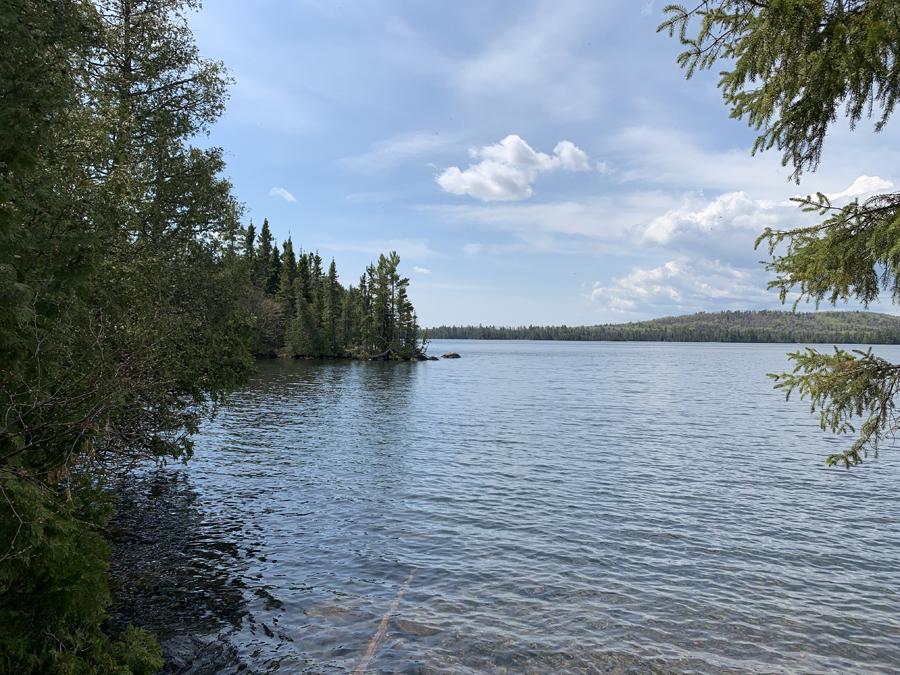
(450, 355)
(415, 627)
(198, 655)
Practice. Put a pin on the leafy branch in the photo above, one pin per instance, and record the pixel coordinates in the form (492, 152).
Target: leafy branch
(842, 386)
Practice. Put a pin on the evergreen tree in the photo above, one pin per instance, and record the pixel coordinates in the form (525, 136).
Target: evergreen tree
(273, 279)
(332, 294)
(303, 279)
(250, 242)
(119, 326)
(287, 276)
(793, 63)
(265, 252)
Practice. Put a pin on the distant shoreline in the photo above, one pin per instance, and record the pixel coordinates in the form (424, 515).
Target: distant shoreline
(765, 326)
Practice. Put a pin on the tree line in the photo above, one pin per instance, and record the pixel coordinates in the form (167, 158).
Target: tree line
(302, 310)
(730, 326)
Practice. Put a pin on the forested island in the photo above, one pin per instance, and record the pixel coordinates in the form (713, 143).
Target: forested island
(729, 326)
(300, 310)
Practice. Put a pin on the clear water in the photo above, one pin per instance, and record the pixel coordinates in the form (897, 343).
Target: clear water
(567, 508)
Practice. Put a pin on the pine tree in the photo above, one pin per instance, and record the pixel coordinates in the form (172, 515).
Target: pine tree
(287, 276)
(303, 280)
(793, 64)
(249, 242)
(273, 278)
(265, 251)
(333, 306)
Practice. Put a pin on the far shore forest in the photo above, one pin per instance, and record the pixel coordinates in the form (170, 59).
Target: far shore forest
(729, 326)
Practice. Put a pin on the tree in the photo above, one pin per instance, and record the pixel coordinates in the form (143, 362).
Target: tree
(266, 253)
(794, 64)
(332, 293)
(250, 242)
(287, 275)
(119, 329)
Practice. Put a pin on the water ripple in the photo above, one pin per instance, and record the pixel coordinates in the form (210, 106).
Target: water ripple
(571, 508)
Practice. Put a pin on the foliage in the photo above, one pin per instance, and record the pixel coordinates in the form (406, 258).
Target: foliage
(843, 386)
(303, 311)
(140, 653)
(53, 586)
(854, 253)
(794, 64)
(121, 327)
(762, 326)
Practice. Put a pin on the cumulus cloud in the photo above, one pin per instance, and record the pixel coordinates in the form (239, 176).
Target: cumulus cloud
(387, 154)
(721, 228)
(734, 210)
(724, 228)
(728, 224)
(508, 168)
(863, 185)
(284, 194)
(421, 270)
(406, 248)
(683, 285)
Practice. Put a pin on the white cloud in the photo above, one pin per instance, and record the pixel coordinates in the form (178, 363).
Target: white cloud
(650, 155)
(725, 228)
(728, 210)
(570, 156)
(863, 185)
(421, 270)
(533, 62)
(281, 192)
(647, 8)
(683, 285)
(601, 218)
(395, 150)
(406, 248)
(696, 221)
(507, 169)
(722, 228)
(472, 249)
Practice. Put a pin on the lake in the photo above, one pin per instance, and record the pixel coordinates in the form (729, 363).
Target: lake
(533, 507)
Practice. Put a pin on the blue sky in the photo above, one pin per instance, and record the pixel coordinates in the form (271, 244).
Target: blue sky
(532, 162)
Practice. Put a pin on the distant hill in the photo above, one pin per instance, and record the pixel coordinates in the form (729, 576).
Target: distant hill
(762, 326)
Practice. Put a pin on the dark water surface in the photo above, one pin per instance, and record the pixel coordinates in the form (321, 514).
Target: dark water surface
(567, 507)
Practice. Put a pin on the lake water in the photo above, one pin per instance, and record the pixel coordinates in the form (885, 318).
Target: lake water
(544, 507)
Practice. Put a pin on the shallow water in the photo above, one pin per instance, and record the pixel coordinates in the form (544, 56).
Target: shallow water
(566, 507)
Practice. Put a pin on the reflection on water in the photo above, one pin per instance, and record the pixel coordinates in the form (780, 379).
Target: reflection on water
(570, 507)
(174, 573)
